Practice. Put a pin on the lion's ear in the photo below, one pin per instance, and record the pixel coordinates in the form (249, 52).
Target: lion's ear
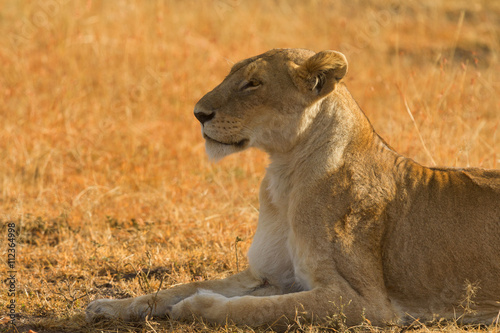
(319, 73)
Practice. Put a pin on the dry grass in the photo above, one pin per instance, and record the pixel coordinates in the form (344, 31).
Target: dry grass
(103, 165)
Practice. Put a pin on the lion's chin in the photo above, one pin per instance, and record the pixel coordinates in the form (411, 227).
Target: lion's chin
(217, 150)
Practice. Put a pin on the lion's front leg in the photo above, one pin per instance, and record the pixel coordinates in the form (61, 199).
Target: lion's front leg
(137, 308)
(319, 305)
(204, 304)
(252, 311)
(160, 304)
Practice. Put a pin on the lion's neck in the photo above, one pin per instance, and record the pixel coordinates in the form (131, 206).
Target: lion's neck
(326, 130)
(322, 146)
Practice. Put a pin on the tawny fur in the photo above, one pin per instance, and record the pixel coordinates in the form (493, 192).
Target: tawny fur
(345, 224)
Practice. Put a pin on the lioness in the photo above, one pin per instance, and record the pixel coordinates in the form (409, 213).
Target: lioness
(346, 224)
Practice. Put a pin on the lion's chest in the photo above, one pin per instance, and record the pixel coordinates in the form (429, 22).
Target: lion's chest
(275, 257)
(275, 254)
(279, 186)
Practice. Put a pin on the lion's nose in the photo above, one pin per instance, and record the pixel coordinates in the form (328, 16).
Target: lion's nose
(203, 116)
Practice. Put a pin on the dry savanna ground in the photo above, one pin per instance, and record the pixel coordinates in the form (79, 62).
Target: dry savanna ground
(103, 169)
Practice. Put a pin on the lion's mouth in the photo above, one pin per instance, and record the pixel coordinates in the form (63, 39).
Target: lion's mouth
(240, 143)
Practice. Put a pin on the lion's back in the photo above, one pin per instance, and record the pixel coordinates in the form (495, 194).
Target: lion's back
(447, 236)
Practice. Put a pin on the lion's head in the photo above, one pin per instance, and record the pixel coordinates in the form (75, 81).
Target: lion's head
(267, 101)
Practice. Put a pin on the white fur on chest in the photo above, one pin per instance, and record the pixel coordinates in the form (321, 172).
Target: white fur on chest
(273, 254)
(279, 185)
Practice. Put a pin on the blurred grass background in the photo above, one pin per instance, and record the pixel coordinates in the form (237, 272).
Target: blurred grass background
(103, 166)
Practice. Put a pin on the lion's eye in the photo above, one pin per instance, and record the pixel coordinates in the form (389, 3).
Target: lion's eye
(249, 85)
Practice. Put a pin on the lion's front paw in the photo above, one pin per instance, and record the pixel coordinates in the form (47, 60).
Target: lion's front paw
(101, 309)
(124, 309)
(204, 304)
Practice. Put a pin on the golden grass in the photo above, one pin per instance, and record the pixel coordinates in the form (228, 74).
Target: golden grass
(103, 165)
